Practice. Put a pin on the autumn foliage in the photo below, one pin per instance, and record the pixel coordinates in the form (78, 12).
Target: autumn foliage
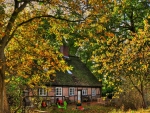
(111, 37)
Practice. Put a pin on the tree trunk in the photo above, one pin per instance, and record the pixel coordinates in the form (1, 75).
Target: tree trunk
(1, 92)
(144, 100)
(6, 105)
(4, 108)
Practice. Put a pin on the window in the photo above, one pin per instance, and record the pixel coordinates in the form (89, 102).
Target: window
(42, 92)
(84, 92)
(71, 91)
(69, 72)
(93, 92)
(58, 91)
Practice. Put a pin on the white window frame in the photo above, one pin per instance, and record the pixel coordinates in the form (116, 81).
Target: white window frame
(71, 91)
(93, 92)
(58, 91)
(42, 92)
(84, 91)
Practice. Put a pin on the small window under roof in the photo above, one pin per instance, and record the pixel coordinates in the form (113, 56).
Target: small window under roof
(66, 57)
(69, 72)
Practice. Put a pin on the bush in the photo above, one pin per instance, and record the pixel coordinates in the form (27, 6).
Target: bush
(132, 100)
(128, 100)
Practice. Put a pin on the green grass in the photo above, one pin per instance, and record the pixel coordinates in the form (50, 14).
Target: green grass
(96, 108)
(87, 109)
(93, 108)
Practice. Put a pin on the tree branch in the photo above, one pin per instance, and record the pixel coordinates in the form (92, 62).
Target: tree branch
(6, 38)
(38, 17)
(16, 4)
(135, 85)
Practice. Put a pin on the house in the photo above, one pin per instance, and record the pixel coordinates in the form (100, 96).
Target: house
(78, 84)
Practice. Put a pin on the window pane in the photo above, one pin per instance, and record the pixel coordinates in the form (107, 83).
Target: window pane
(84, 92)
(71, 91)
(93, 92)
(42, 92)
(58, 91)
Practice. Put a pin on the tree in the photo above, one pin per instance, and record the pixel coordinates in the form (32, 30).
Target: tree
(117, 38)
(123, 53)
(18, 13)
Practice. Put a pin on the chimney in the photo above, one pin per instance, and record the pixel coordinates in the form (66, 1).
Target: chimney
(64, 50)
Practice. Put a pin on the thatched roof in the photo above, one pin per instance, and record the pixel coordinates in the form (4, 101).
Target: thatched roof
(81, 75)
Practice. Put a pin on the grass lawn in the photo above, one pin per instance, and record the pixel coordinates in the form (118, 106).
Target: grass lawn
(93, 108)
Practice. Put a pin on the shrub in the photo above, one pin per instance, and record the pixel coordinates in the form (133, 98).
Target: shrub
(131, 99)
